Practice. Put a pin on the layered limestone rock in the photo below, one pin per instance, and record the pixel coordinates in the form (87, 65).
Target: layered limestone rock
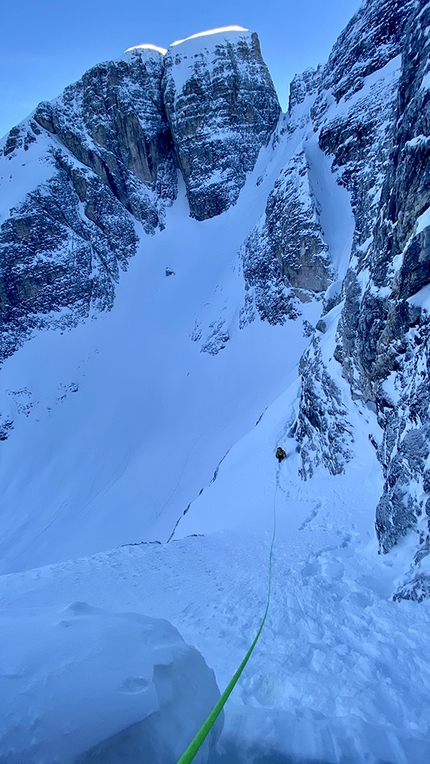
(359, 140)
(377, 132)
(285, 258)
(108, 155)
(104, 154)
(222, 108)
(113, 122)
(389, 347)
(372, 38)
(401, 275)
(304, 85)
(57, 263)
(351, 107)
(322, 427)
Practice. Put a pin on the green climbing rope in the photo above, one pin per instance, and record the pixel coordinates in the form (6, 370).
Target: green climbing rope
(197, 742)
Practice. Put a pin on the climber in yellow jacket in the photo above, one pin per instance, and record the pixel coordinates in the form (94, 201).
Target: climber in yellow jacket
(280, 454)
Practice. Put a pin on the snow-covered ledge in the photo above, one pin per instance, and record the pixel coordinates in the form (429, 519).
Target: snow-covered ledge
(82, 684)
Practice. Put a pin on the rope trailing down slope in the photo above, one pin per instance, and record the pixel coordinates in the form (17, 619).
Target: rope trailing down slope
(197, 742)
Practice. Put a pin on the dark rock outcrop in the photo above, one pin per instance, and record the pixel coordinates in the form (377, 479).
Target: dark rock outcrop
(113, 122)
(352, 112)
(285, 258)
(57, 264)
(322, 427)
(380, 149)
(110, 153)
(372, 38)
(108, 158)
(222, 108)
(304, 85)
(393, 334)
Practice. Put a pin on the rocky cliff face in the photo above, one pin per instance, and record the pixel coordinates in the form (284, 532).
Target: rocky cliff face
(383, 334)
(376, 132)
(104, 152)
(222, 108)
(345, 112)
(109, 149)
(373, 37)
(345, 225)
(113, 122)
(368, 110)
(400, 278)
(285, 258)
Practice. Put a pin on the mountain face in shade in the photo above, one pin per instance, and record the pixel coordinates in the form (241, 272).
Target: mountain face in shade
(110, 147)
(263, 250)
(222, 108)
(105, 154)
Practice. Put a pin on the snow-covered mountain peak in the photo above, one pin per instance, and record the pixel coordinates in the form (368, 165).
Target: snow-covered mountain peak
(145, 47)
(222, 107)
(276, 294)
(224, 33)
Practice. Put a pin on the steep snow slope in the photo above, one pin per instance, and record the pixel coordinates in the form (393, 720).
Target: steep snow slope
(176, 360)
(120, 423)
(340, 673)
(293, 318)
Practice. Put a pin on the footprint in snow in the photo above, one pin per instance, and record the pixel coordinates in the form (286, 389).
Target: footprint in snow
(134, 685)
(311, 517)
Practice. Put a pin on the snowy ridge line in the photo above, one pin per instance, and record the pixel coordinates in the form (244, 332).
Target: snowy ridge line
(215, 475)
(209, 32)
(197, 742)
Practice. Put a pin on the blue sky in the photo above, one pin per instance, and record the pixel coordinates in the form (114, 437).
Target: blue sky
(48, 44)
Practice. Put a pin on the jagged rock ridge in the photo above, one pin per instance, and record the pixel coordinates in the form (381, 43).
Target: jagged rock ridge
(112, 145)
(379, 145)
(222, 108)
(106, 150)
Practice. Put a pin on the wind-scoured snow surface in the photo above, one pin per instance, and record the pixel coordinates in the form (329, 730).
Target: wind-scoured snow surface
(151, 395)
(158, 422)
(340, 673)
(90, 685)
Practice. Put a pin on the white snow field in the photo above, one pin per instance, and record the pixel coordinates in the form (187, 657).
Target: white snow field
(122, 425)
(147, 415)
(341, 672)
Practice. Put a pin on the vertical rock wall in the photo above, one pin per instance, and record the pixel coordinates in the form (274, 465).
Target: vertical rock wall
(109, 153)
(222, 108)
